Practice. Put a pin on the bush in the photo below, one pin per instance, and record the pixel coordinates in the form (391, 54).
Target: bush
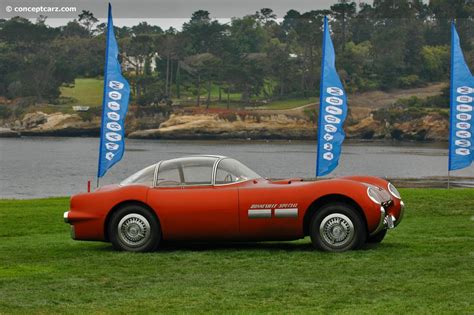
(409, 81)
(311, 114)
(5, 112)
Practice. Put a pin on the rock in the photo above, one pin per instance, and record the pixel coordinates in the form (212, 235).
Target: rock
(32, 120)
(8, 133)
(367, 128)
(58, 124)
(211, 126)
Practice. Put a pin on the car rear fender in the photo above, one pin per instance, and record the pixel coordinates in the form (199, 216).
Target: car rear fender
(123, 204)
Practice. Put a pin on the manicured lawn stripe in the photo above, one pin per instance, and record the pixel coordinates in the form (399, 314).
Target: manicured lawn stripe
(423, 266)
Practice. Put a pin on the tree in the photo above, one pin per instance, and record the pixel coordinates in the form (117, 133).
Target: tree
(87, 20)
(343, 12)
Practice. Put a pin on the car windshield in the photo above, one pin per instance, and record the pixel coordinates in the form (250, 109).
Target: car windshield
(143, 177)
(232, 171)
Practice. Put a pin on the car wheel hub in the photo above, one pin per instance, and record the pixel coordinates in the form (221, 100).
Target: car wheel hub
(336, 230)
(134, 230)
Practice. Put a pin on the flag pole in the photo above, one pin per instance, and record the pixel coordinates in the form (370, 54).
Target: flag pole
(449, 175)
(320, 120)
(109, 15)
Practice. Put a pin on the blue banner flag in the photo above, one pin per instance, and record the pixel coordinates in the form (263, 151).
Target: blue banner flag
(461, 144)
(332, 110)
(114, 105)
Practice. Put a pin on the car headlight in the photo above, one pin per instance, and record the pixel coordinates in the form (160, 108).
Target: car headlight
(373, 195)
(394, 191)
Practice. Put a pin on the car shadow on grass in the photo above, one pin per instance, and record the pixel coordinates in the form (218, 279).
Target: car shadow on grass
(236, 246)
(297, 246)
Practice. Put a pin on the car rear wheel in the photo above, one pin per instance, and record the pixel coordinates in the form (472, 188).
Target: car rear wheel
(134, 228)
(377, 238)
(337, 227)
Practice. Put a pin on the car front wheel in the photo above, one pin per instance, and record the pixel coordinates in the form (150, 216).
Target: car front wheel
(377, 238)
(337, 227)
(134, 228)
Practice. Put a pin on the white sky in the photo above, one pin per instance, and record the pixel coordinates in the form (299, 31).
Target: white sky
(164, 13)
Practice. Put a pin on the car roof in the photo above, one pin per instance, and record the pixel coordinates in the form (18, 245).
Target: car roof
(217, 157)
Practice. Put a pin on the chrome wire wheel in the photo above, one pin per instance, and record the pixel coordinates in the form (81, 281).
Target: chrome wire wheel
(336, 230)
(134, 230)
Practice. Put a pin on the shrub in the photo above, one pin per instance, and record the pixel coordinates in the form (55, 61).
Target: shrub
(409, 81)
(5, 112)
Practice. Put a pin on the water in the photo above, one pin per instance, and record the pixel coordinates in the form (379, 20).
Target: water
(41, 167)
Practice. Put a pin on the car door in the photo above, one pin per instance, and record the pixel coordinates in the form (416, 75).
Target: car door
(269, 212)
(189, 206)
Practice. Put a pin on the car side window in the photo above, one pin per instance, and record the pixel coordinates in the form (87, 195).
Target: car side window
(198, 171)
(169, 174)
(193, 171)
(232, 171)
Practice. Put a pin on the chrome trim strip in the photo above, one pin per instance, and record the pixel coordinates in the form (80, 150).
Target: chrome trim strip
(402, 212)
(155, 176)
(214, 170)
(259, 214)
(381, 224)
(66, 217)
(286, 213)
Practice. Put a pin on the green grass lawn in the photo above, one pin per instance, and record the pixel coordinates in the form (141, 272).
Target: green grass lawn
(290, 103)
(86, 92)
(424, 266)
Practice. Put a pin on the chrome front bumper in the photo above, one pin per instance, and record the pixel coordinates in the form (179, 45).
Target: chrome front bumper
(402, 212)
(66, 217)
(388, 221)
(66, 220)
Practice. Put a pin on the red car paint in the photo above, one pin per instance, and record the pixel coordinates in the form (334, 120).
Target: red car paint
(221, 212)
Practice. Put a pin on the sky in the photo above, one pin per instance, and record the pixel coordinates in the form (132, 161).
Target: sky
(164, 13)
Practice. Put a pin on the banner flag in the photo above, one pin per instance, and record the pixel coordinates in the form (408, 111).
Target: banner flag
(461, 144)
(114, 105)
(332, 110)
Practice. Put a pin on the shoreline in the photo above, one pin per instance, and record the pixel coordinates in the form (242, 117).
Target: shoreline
(205, 137)
(439, 183)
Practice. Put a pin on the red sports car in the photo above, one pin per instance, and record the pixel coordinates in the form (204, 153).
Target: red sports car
(205, 198)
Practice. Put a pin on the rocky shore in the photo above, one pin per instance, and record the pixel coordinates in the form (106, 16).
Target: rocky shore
(265, 125)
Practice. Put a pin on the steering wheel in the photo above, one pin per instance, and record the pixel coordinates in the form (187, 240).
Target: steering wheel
(228, 178)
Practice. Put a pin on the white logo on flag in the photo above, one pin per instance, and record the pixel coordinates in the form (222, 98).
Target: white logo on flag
(112, 146)
(463, 125)
(335, 91)
(332, 119)
(114, 126)
(463, 117)
(327, 146)
(113, 116)
(463, 151)
(464, 108)
(464, 99)
(328, 156)
(115, 95)
(330, 128)
(109, 156)
(113, 105)
(116, 85)
(465, 90)
(334, 110)
(334, 100)
(463, 143)
(328, 137)
(463, 134)
(113, 136)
